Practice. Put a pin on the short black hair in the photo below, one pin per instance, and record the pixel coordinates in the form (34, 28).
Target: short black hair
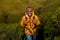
(28, 8)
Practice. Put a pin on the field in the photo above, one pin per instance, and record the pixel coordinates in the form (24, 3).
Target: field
(11, 12)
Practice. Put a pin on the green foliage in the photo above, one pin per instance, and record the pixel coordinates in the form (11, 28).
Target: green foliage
(10, 32)
(11, 12)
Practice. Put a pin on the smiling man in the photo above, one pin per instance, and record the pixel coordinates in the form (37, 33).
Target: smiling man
(30, 21)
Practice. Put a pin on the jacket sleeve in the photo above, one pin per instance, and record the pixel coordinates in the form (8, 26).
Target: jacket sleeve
(22, 21)
(37, 20)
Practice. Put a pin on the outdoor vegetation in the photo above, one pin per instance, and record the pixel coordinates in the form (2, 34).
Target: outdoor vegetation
(11, 12)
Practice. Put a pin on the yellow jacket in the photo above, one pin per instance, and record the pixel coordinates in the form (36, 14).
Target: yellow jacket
(29, 28)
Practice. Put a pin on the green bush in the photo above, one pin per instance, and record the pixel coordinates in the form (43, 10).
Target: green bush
(10, 31)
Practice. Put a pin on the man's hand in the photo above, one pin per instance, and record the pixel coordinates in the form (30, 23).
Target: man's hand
(25, 23)
(34, 22)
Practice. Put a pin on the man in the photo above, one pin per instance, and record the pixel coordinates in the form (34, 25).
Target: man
(30, 21)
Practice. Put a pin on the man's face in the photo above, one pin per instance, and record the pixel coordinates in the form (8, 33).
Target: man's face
(29, 12)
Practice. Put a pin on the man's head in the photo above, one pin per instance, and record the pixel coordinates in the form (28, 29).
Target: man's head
(29, 11)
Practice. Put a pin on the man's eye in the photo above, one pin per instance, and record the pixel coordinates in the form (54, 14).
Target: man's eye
(29, 11)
